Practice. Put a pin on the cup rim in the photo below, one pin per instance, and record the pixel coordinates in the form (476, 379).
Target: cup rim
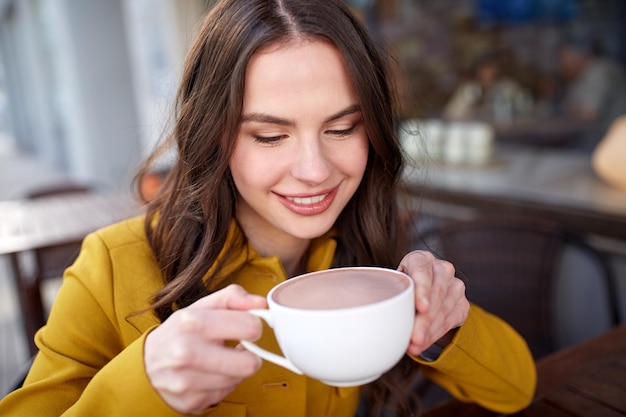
(334, 311)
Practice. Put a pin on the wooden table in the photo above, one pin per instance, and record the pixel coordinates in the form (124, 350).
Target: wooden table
(41, 236)
(585, 380)
(30, 224)
(558, 185)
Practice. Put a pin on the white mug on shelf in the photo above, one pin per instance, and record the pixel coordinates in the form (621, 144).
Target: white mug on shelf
(468, 143)
(422, 140)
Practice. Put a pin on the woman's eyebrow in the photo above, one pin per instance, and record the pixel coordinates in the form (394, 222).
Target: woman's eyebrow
(355, 108)
(266, 118)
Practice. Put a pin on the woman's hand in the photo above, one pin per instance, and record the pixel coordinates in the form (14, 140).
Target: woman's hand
(186, 359)
(440, 299)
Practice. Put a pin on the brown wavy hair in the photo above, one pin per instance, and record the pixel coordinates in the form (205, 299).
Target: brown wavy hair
(187, 222)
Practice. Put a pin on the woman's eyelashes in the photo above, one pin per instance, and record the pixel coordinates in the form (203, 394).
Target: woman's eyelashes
(337, 133)
(269, 140)
(342, 133)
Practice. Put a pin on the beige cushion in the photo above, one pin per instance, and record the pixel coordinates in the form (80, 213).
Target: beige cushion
(609, 157)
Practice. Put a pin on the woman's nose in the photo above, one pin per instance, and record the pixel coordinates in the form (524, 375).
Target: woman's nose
(311, 164)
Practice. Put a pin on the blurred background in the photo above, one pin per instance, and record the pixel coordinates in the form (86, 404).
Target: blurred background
(87, 87)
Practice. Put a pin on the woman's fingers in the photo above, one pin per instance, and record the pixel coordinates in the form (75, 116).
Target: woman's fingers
(441, 304)
(192, 373)
(212, 360)
(432, 277)
(457, 304)
(207, 356)
(233, 297)
(419, 266)
(218, 324)
(186, 359)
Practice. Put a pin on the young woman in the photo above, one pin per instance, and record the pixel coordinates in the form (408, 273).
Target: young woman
(287, 162)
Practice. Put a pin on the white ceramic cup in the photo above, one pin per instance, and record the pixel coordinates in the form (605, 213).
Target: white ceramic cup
(363, 330)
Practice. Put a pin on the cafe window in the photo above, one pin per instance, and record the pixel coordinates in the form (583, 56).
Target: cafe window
(447, 47)
(440, 41)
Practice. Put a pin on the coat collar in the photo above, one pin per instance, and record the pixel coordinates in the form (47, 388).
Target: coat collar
(321, 255)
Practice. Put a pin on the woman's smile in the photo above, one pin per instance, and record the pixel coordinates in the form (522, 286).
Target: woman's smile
(307, 200)
(310, 205)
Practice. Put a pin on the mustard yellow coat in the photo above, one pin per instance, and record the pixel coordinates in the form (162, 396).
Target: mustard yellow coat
(90, 360)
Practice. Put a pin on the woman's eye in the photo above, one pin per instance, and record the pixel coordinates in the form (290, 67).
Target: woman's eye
(268, 139)
(342, 132)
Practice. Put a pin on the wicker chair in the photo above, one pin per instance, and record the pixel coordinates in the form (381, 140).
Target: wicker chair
(532, 273)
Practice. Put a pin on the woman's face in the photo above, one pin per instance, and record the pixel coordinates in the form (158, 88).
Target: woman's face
(302, 148)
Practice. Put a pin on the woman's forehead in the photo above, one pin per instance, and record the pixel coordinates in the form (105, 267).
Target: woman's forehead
(297, 72)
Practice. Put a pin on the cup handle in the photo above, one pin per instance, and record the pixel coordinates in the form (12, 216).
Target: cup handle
(267, 355)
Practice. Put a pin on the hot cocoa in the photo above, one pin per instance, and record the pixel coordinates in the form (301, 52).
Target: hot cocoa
(334, 289)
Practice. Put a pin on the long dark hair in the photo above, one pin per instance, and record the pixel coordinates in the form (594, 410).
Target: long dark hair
(188, 221)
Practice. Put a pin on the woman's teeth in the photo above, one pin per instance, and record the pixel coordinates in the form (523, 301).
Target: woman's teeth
(308, 200)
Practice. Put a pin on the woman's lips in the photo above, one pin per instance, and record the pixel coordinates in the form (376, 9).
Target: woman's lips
(309, 205)
(307, 200)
